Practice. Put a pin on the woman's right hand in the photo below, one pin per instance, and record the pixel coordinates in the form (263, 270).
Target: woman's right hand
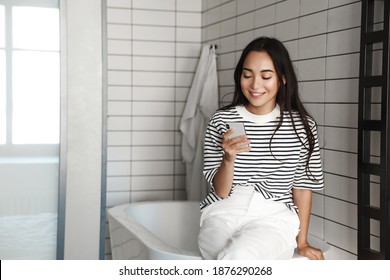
(234, 146)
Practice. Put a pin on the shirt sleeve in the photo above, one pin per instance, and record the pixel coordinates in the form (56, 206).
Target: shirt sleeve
(311, 177)
(213, 152)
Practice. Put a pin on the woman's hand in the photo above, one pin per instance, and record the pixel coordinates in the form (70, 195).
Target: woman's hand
(233, 146)
(223, 179)
(310, 252)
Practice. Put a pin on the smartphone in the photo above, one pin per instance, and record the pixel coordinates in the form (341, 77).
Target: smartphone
(238, 129)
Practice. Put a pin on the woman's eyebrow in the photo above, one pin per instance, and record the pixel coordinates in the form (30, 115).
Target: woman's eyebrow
(262, 71)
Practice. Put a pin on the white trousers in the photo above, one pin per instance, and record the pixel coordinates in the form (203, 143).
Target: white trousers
(246, 226)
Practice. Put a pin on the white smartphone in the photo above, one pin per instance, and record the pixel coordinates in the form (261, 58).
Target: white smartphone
(238, 129)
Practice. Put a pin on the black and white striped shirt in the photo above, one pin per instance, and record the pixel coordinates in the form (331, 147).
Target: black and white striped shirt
(273, 168)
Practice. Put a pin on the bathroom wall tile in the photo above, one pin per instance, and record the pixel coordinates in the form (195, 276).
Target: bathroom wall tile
(146, 93)
(341, 212)
(186, 64)
(119, 47)
(119, 153)
(149, 123)
(118, 108)
(292, 48)
(312, 91)
(346, 41)
(243, 39)
(228, 10)
(154, 5)
(181, 94)
(117, 198)
(340, 163)
(164, 182)
(188, 49)
(336, 3)
(188, 34)
(341, 187)
(287, 30)
(142, 63)
(118, 168)
(317, 205)
(309, 70)
(316, 111)
(153, 33)
(263, 3)
(153, 153)
(341, 236)
(228, 27)
(119, 93)
(179, 108)
(189, 19)
(212, 16)
(151, 196)
(192, 6)
(149, 108)
(119, 3)
(119, 78)
(151, 168)
(119, 16)
(286, 10)
(119, 31)
(342, 91)
(344, 17)
(184, 79)
(117, 123)
(119, 62)
(265, 31)
(180, 195)
(342, 139)
(226, 77)
(312, 6)
(265, 16)
(155, 48)
(159, 18)
(313, 24)
(245, 6)
(246, 22)
(121, 183)
(345, 115)
(118, 138)
(312, 47)
(228, 44)
(153, 79)
(226, 61)
(343, 66)
(152, 138)
(316, 226)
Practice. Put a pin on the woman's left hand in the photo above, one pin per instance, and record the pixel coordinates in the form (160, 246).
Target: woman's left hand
(311, 252)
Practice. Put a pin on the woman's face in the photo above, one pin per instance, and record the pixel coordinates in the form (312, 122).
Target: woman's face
(259, 83)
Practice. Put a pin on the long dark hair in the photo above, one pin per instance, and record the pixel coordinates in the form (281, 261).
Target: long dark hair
(288, 93)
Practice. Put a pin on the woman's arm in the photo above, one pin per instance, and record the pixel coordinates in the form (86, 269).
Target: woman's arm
(303, 200)
(223, 179)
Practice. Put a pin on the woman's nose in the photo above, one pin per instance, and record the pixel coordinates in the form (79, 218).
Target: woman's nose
(256, 82)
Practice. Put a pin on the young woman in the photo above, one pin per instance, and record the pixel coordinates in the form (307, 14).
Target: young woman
(261, 182)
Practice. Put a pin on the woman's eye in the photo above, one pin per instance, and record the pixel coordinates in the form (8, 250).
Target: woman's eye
(266, 78)
(247, 76)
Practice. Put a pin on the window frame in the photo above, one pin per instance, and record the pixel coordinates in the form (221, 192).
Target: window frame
(9, 150)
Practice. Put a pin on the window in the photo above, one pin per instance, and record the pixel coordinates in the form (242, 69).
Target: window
(30, 67)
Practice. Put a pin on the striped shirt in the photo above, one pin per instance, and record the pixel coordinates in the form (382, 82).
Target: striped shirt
(273, 168)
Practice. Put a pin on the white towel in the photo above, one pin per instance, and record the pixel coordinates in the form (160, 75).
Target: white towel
(202, 102)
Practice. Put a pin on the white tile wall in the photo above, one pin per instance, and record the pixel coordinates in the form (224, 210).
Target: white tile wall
(153, 48)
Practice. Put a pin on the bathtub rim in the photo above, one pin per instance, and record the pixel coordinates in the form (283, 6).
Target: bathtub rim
(119, 213)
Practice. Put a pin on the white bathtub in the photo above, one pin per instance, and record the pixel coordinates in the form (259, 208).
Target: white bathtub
(161, 230)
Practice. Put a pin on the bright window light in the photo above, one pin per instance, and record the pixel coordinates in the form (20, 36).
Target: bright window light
(36, 97)
(2, 98)
(35, 28)
(2, 27)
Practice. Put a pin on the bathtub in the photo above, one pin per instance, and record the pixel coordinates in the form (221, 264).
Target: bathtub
(161, 230)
